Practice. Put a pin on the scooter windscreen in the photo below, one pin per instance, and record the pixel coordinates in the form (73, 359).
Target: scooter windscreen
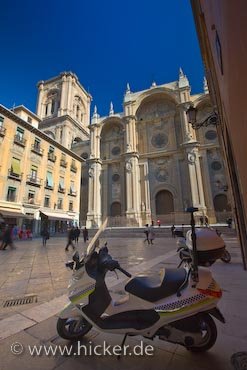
(94, 243)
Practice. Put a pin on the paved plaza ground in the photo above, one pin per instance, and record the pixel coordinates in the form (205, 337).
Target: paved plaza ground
(37, 270)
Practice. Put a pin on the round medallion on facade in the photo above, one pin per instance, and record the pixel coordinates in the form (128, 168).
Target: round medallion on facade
(211, 135)
(159, 140)
(161, 174)
(116, 150)
(115, 177)
(216, 166)
(84, 155)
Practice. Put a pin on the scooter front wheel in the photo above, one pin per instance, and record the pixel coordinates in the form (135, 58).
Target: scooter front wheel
(73, 328)
(208, 334)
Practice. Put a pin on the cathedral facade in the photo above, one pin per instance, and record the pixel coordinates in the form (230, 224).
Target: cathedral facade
(145, 163)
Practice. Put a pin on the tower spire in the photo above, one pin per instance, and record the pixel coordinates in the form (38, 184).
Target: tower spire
(111, 112)
(183, 80)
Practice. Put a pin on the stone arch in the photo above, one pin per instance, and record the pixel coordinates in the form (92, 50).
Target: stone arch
(115, 209)
(111, 139)
(164, 202)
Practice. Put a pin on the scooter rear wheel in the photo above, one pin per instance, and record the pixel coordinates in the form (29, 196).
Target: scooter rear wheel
(73, 328)
(226, 257)
(208, 332)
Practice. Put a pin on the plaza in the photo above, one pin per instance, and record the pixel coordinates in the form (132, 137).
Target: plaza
(32, 269)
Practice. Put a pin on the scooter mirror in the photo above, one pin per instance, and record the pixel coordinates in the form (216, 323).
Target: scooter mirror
(76, 256)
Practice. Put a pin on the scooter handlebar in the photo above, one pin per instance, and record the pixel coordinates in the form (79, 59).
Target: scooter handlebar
(124, 271)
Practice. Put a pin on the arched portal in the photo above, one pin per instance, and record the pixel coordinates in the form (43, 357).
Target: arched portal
(115, 209)
(164, 202)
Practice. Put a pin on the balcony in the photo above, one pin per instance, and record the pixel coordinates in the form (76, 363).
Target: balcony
(61, 190)
(52, 157)
(33, 180)
(49, 187)
(19, 140)
(14, 176)
(11, 198)
(63, 163)
(72, 193)
(59, 206)
(73, 168)
(30, 201)
(37, 149)
(2, 131)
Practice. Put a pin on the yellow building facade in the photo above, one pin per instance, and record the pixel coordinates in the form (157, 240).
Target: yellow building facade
(39, 178)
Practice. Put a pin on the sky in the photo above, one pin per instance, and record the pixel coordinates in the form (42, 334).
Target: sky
(106, 43)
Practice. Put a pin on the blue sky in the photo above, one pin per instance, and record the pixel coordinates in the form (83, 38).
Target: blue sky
(106, 43)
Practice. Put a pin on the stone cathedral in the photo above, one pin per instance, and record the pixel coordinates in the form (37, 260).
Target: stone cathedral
(145, 163)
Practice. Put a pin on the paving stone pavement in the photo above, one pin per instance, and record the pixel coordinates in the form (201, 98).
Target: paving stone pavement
(44, 274)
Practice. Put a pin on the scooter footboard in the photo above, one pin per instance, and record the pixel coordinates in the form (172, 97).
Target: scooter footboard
(70, 310)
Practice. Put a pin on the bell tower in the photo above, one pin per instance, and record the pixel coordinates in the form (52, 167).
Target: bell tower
(64, 108)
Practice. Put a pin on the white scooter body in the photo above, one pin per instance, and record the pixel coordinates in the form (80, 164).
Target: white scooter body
(190, 300)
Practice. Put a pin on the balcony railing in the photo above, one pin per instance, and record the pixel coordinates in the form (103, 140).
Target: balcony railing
(2, 131)
(37, 149)
(63, 163)
(19, 140)
(73, 168)
(61, 190)
(30, 201)
(52, 157)
(14, 176)
(33, 180)
(49, 187)
(73, 193)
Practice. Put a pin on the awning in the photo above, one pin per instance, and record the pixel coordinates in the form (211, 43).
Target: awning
(8, 212)
(57, 216)
(15, 166)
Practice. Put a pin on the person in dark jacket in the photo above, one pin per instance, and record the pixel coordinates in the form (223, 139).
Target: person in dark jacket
(7, 238)
(71, 237)
(85, 234)
(45, 235)
(77, 232)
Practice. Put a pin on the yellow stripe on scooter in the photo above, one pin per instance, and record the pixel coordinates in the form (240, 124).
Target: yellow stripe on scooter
(184, 309)
(79, 297)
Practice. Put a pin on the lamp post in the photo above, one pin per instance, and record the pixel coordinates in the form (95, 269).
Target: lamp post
(191, 113)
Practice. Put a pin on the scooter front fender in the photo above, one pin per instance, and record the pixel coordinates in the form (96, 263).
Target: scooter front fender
(70, 310)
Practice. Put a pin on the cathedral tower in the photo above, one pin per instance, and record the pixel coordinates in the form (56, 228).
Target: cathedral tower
(64, 108)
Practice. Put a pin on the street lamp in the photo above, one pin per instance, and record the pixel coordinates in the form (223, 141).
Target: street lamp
(191, 113)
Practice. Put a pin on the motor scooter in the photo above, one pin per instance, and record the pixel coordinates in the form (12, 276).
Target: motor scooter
(185, 251)
(176, 307)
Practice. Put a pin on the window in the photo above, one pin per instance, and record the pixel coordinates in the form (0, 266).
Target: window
(11, 195)
(19, 133)
(47, 202)
(37, 143)
(46, 109)
(51, 149)
(29, 119)
(70, 206)
(72, 188)
(60, 203)
(52, 106)
(1, 121)
(15, 167)
(31, 196)
(49, 180)
(34, 171)
(61, 185)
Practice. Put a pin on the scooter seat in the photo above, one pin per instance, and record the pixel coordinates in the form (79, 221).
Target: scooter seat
(153, 290)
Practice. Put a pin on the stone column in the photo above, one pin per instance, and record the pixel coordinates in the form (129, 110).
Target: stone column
(133, 198)
(188, 132)
(195, 178)
(63, 96)
(94, 216)
(130, 124)
(40, 99)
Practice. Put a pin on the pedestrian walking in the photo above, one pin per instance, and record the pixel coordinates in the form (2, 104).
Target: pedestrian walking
(7, 238)
(201, 221)
(71, 237)
(206, 221)
(158, 223)
(77, 232)
(146, 232)
(173, 228)
(85, 234)
(45, 235)
(151, 234)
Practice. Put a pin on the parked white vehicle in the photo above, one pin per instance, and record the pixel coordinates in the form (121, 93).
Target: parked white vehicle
(177, 306)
